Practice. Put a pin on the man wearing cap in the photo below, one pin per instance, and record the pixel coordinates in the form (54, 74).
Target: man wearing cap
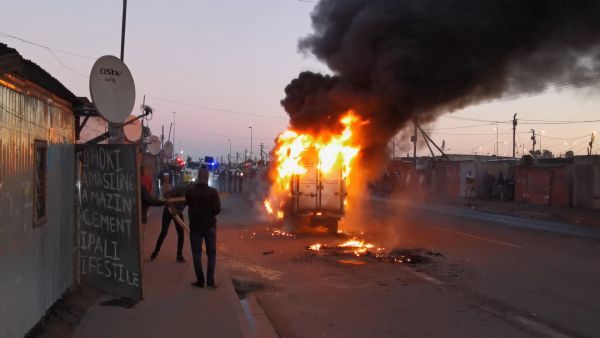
(203, 205)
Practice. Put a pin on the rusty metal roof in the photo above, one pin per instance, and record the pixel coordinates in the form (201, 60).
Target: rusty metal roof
(12, 62)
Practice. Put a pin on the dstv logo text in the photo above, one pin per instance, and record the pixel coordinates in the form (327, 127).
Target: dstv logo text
(109, 71)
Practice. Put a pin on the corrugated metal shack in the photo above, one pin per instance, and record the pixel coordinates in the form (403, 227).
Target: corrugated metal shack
(545, 181)
(37, 133)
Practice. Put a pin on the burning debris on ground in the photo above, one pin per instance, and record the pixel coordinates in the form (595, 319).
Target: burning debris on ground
(269, 231)
(280, 233)
(359, 248)
(248, 234)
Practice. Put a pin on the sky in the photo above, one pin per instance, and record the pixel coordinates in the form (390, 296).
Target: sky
(217, 68)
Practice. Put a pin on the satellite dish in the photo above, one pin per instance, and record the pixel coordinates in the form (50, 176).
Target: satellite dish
(112, 88)
(133, 130)
(168, 148)
(154, 145)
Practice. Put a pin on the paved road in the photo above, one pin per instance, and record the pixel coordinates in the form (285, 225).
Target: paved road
(493, 280)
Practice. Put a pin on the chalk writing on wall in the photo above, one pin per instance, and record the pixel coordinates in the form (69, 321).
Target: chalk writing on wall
(109, 241)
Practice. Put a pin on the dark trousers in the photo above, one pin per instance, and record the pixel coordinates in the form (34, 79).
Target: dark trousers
(166, 221)
(209, 237)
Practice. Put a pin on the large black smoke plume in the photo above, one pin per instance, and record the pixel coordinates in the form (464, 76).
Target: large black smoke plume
(398, 60)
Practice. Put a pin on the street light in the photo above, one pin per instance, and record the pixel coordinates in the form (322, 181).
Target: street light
(497, 148)
(250, 143)
(229, 158)
(174, 144)
(496, 139)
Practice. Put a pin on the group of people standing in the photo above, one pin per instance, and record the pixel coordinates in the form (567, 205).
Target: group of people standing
(203, 205)
(232, 181)
(500, 186)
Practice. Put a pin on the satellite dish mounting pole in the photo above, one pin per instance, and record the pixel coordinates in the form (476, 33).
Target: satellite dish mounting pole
(123, 30)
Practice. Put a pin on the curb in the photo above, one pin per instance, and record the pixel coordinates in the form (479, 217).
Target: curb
(235, 301)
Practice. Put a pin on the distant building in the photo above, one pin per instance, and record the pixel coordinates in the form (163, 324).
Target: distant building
(37, 175)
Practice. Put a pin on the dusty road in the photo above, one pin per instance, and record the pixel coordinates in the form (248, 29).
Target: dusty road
(491, 279)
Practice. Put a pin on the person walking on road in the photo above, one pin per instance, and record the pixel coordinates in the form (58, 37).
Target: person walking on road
(167, 217)
(203, 205)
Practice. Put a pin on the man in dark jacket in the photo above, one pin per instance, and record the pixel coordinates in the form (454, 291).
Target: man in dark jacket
(203, 205)
(167, 217)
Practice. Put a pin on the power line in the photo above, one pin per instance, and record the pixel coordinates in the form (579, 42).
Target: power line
(230, 136)
(227, 111)
(469, 134)
(473, 119)
(530, 122)
(52, 52)
(555, 88)
(46, 47)
(461, 127)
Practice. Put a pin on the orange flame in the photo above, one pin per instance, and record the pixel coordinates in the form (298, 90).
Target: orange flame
(334, 150)
(268, 207)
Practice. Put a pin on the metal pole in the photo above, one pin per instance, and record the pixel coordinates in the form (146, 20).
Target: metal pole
(250, 143)
(174, 147)
(229, 159)
(514, 132)
(415, 143)
(496, 139)
(123, 30)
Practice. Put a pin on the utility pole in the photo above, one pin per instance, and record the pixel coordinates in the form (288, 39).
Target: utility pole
(229, 157)
(123, 30)
(414, 140)
(237, 157)
(174, 149)
(496, 150)
(250, 143)
(115, 129)
(514, 133)
(262, 148)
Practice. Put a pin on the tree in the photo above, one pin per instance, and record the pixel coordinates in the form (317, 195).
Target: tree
(547, 154)
(569, 154)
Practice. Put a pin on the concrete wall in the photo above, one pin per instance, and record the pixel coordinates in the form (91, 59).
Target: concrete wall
(36, 262)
